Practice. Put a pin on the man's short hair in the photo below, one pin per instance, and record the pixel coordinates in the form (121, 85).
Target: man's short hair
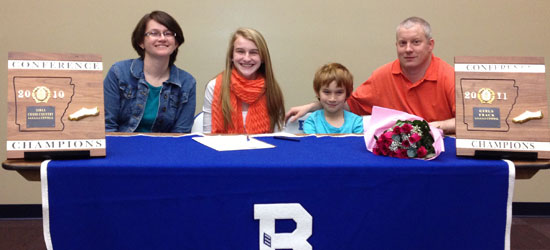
(411, 21)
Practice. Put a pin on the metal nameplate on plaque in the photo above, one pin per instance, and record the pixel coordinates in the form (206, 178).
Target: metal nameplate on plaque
(55, 106)
(501, 107)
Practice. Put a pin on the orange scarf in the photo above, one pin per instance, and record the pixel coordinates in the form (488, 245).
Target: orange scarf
(242, 90)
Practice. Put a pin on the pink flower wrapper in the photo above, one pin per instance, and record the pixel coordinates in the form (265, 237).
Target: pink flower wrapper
(383, 119)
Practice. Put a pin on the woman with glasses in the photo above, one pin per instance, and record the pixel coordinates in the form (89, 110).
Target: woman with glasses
(245, 98)
(151, 94)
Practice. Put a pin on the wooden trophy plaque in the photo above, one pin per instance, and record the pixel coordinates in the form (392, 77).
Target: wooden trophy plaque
(501, 107)
(55, 106)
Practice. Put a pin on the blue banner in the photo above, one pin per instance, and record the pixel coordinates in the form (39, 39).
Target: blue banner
(317, 193)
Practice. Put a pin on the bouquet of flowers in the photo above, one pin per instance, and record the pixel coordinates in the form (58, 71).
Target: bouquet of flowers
(399, 134)
(406, 139)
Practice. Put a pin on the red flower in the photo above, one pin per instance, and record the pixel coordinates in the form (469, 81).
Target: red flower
(378, 151)
(406, 143)
(414, 138)
(386, 138)
(387, 135)
(421, 152)
(386, 150)
(397, 130)
(380, 144)
(406, 128)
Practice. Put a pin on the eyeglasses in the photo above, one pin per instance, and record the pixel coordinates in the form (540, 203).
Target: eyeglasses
(158, 34)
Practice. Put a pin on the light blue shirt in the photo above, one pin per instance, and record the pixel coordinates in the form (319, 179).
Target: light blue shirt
(316, 124)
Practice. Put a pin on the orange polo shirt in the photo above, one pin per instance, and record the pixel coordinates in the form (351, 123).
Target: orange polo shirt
(432, 97)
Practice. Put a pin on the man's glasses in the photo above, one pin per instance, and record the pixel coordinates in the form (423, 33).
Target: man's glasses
(158, 34)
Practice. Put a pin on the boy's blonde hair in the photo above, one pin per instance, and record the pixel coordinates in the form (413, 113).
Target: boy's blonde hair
(333, 72)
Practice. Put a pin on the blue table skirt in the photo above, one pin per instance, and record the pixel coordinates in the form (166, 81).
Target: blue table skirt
(174, 193)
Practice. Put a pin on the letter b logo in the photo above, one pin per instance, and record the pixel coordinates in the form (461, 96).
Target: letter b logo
(297, 240)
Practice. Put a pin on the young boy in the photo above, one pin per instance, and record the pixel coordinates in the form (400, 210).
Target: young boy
(333, 84)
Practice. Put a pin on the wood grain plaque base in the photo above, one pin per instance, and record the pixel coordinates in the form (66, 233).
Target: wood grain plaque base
(55, 106)
(501, 107)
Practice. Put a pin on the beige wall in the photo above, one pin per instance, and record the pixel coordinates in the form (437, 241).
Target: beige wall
(302, 35)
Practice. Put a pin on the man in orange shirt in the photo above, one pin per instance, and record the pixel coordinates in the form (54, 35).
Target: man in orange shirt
(417, 82)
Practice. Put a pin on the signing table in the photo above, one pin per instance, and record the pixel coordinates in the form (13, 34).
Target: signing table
(174, 193)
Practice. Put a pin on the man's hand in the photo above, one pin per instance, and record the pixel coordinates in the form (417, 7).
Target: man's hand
(296, 112)
(448, 126)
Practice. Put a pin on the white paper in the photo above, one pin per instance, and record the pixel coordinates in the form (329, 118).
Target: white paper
(231, 142)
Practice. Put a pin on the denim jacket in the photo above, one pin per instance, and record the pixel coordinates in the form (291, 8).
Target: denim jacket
(126, 92)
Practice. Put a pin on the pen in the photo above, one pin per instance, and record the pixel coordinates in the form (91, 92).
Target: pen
(246, 132)
(286, 138)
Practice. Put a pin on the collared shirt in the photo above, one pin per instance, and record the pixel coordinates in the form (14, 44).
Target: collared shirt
(126, 92)
(432, 97)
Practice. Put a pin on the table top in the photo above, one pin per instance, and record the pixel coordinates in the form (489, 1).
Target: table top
(31, 169)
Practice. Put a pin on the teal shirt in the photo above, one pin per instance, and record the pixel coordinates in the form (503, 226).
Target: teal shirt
(316, 124)
(151, 109)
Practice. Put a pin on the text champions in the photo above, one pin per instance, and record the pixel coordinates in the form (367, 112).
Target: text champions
(503, 145)
(55, 145)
